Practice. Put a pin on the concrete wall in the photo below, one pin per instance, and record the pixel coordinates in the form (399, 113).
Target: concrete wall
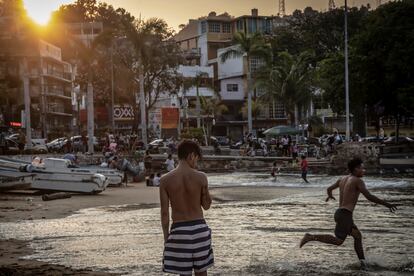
(232, 67)
(226, 95)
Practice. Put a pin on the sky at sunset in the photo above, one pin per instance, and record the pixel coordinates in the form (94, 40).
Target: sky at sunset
(177, 12)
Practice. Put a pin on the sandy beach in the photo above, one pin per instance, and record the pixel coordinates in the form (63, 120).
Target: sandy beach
(27, 205)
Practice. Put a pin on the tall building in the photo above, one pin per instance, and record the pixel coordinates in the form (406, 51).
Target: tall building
(204, 40)
(24, 54)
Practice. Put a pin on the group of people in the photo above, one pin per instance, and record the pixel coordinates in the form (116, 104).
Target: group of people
(187, 240)
(154, 178)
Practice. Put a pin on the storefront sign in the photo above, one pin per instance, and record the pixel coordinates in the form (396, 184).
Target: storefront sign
(125, 112)
(170, 117)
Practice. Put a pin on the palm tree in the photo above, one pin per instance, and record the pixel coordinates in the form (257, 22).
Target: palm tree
(257, 106)
(250, 46)
(288, 81)
(140, 43)
(211, 107)
(197, 81)
(87, 57)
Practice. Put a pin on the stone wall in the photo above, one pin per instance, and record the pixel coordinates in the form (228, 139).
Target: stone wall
(368, 152)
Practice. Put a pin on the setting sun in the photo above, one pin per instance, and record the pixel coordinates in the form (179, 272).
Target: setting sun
(40, 11)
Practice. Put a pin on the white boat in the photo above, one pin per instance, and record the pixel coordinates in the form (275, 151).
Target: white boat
(114, 176)
(55, 174)
(62, 166)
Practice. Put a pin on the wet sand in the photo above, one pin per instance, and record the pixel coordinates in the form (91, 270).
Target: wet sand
(11, 263)
(27, 205)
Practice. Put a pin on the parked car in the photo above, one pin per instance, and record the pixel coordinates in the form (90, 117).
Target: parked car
(236, 145)
(13, 148)
(401, 139)
(57, 145)
(155, 145)
(372, 139)
(77, 143)
(222, 140)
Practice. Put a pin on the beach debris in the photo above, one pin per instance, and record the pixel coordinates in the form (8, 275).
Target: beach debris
(48, 197)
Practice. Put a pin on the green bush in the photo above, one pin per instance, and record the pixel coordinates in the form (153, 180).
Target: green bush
(193, 133)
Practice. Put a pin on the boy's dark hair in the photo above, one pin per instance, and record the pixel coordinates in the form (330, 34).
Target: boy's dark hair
(152, 175)
(303, 157)
(158, 174)
(187, 147)
(353, 163)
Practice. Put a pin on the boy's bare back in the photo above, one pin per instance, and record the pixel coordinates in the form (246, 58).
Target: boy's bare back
(187, 191)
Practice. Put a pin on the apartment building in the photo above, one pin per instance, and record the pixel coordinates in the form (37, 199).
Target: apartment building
(23, 54)
(204, 40)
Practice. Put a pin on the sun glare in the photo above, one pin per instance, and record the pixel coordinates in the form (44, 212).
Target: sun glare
(41, 10)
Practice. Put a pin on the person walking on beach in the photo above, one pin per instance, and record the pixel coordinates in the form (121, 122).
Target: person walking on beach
(350, 187)
(188, 243)
(304, 168)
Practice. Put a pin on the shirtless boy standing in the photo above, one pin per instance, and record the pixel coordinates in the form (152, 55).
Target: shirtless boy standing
(350, 187)
(188, 242)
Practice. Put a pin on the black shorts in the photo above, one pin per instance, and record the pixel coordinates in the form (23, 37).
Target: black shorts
(344, 223)
(304, 174)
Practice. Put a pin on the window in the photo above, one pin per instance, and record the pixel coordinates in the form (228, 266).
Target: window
(232, 87)
(203, 27)
(252, 25)
(276, 111)
(239, 25)
(226, 28)
(255, 64)
(214, 27)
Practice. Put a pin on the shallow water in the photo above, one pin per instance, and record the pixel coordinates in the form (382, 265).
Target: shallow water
(249, 238)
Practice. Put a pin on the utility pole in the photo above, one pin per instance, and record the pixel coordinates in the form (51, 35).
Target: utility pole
(112, 90)
(91, 122)
(198, 107)
(142, 102)
(347, 132)
(26, 88)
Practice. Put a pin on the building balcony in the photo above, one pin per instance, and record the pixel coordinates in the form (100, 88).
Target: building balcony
(202, 92)
(58, 110)
(58, 93)
(230, 117)
(193, 53)
(65, 76)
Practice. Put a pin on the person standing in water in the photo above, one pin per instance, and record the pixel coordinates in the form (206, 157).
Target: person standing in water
(187, 244)
(350, 187)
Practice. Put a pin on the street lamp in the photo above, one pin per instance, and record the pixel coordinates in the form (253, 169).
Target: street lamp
(347, 132)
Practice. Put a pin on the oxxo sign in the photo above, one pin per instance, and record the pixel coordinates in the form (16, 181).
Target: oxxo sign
(125, 112)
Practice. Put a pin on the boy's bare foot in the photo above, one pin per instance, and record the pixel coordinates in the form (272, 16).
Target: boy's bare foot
(305, 239)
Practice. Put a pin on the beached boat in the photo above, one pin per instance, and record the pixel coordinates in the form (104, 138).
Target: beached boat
(57, 175)
(15, 181)
(114, 176)
(63, 166)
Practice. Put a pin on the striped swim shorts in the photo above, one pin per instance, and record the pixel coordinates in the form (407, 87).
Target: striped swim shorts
(188, 248)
